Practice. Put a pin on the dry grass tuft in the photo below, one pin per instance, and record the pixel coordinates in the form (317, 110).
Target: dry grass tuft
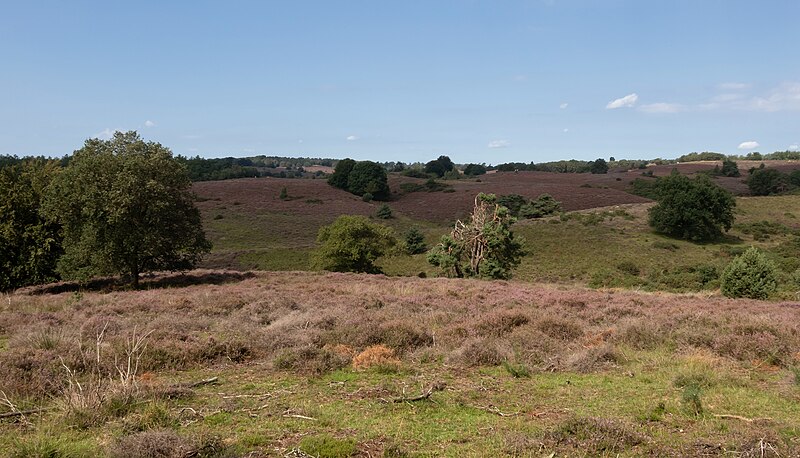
(376, 355)
(595, 436)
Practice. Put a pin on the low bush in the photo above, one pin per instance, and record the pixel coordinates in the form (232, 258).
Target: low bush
(750, 275)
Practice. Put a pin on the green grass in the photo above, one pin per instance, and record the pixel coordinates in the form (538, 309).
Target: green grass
(353, 408)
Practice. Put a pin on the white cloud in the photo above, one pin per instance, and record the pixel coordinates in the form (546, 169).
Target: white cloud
(149, 123)
(749, 145)
(662, 107)
(106, 134)
(627, 101)
(563, 106)
(784, 97)
(733, 86)
(498, 144)
(351, 138)
(300, 141)
(794, 147)
(566, 130)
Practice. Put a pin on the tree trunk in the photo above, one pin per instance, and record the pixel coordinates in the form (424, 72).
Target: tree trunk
(135, 278)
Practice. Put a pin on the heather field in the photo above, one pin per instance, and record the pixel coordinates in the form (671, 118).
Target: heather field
(313, 364)
(603, 239)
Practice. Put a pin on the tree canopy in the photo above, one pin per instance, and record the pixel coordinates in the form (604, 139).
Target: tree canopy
(125, 208)
(690, 209)
(360, 178)
(29, 244)
(439, 166)
(352, 244)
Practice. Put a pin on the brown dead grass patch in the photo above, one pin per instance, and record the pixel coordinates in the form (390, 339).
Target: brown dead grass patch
(376, 355)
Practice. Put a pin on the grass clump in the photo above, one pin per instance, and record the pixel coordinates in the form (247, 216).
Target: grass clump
(517, 370)
(692, 401)
(596, 436)
(379, 357)
(47, 445)
(325, 446)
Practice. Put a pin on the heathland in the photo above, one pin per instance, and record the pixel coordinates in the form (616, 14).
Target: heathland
(611, 340)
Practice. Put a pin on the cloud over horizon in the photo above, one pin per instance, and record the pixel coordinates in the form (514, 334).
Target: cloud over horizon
(749, 145)
(627, 101)
(498, 144)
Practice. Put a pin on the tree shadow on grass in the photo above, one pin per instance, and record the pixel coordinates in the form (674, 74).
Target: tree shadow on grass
(146, 282)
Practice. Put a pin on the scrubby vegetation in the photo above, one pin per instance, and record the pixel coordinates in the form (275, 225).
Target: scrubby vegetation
(332, 363)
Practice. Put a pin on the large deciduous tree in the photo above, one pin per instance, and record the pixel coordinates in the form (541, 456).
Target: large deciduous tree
(483, 247)
(126, 208)
(696, 209)
(29, 244)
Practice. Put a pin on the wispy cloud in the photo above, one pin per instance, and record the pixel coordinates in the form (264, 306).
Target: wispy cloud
(149, 123)
(627, 101)
(499, 144)
(749, 145)
(351, 138)
(105, 134)
(734, 86)
(662, 107)
(794, 147)
(563, 106)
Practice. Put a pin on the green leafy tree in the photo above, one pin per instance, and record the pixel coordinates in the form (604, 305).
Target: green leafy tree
(439, 166)
(29, 243)
(730, 168)
(764, 182)
(689, 209)
(125, 208)
(352, 244)
(368, 177)
(599, 166)
(474, 170)
(341, 174)
(749, 275)
(484, 247)
(415, 241)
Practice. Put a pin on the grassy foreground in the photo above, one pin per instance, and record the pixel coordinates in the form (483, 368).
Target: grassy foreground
(305, 364)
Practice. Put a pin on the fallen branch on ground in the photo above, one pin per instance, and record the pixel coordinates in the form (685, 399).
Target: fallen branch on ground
(739, 417)
(207, 381)
(22, 413)
(497, 411)
(423, 396)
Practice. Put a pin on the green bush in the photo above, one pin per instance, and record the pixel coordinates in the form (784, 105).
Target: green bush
(367, 197)
(384, 212)
(415, 241)
(749, 275)
(764, 182)
(352, 244)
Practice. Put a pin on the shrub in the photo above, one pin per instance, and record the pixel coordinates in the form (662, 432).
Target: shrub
(692, 209)
(415, 242)
(749, 275)
(384, 212)
(367, 197)
(517, 370)
(341, 174)
(544, 205)
(599, 166)
(474, 170)
(730, 168)
(352, 244)
(368, 177)
(764, 182)
(484, 247)
(284, 195)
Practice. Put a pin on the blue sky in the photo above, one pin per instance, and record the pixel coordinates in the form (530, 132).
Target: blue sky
(480, 81)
